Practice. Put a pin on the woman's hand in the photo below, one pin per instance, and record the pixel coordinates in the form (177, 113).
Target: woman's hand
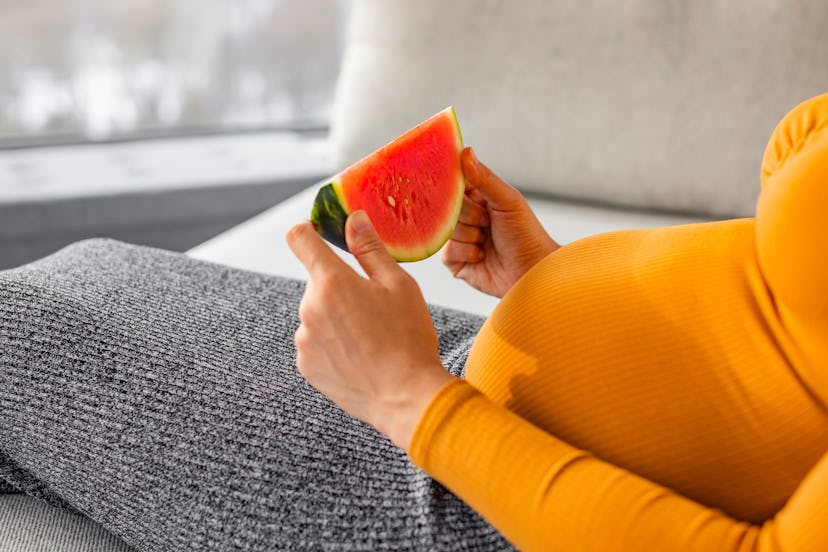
(498, 238)
(368, 344)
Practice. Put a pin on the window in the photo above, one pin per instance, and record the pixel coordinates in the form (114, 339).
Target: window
(93, 70)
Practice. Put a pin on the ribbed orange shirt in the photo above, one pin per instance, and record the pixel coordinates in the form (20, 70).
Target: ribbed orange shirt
(662, 389)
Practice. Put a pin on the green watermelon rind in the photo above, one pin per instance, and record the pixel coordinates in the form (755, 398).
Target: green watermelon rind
(328, 216)
(330, 212)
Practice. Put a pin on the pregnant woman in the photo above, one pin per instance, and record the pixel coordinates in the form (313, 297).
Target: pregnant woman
(662, 389)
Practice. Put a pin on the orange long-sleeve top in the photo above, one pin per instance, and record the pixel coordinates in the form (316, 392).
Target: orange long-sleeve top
(661, 389)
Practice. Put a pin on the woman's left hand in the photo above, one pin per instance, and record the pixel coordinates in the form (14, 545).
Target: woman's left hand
(368, 344)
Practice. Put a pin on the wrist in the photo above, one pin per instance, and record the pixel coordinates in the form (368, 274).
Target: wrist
(401, 420)
(544, 247)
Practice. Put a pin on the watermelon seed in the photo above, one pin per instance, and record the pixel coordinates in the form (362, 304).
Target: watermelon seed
(391, 201)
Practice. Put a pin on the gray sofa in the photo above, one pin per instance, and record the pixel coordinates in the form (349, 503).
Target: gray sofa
(608, 115)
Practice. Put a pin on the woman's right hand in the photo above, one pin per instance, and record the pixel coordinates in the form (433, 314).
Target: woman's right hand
(498, 238)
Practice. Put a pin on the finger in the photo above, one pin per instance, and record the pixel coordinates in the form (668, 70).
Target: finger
(312, 251)
(468, 234)
(364, 242)
(473, 214)
(459, 252)
(497, 192)
(475, 195)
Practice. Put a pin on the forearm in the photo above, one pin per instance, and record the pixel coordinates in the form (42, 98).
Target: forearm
(543, 494)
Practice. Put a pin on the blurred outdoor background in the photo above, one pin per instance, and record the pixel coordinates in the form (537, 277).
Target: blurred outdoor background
(160, 122)
(103, 69)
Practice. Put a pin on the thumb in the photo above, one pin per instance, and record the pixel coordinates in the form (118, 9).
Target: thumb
(494, 190)
(364, 242)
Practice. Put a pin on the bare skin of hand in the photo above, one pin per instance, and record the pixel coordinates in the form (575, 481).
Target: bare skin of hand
(368, 344)
(498, 238)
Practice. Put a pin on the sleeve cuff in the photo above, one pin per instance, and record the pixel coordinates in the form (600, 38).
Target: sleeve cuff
(444, 404)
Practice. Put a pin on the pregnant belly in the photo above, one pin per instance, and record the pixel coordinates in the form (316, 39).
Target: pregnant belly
(648, 349)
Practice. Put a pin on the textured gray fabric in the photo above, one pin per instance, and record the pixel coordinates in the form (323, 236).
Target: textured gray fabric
(6, 488)
(158, 395)
(30, 525)
(643, 103)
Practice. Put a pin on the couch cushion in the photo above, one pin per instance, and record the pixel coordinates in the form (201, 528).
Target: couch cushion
(638, 102)
(259, 244)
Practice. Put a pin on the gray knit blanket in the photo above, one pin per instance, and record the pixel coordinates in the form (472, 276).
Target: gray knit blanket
(158, 395)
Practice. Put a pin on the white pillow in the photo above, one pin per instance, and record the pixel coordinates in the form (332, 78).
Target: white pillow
(637, 102)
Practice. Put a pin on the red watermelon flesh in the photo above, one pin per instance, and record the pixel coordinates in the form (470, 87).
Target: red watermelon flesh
(412, 189)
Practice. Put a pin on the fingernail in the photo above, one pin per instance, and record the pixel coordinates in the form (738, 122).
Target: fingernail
(360, 222)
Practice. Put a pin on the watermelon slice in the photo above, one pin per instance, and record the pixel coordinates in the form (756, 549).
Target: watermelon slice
(412, 190)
